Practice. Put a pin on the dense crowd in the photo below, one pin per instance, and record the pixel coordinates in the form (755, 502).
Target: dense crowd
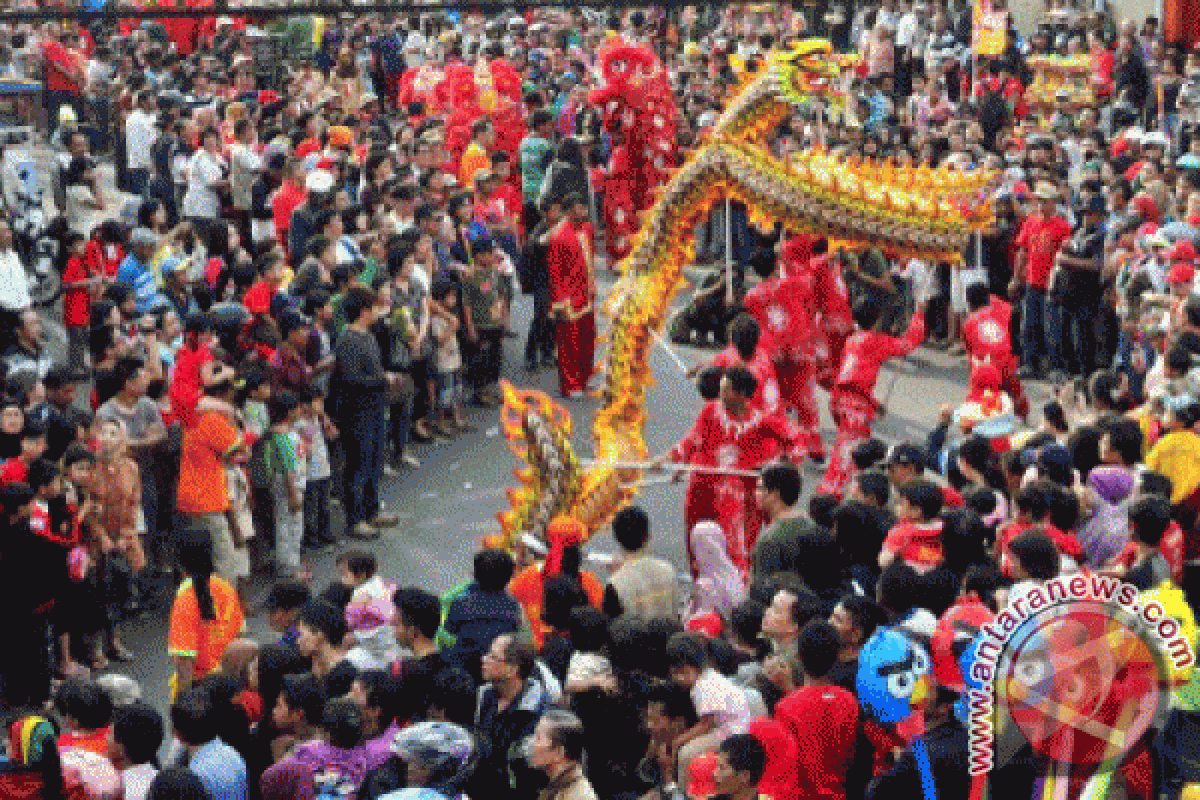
(305, 272)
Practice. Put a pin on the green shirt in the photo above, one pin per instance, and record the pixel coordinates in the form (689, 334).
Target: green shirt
(778, 546)
(481, 290)
(534, 156)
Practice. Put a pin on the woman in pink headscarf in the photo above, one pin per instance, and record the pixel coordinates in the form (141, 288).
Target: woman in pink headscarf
(719, 585)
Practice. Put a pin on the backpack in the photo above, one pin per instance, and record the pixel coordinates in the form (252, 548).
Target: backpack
(264, 461)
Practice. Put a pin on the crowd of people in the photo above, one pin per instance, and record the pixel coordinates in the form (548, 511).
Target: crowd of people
(307, 269)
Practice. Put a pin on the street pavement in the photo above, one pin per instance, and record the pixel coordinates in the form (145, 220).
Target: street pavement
(451, 502)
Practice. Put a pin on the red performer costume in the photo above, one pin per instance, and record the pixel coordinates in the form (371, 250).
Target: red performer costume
(988, 341)
(804, 311)
(572, 292)
(639, 110)
(747, 351)
(853, 402)
(731, 434)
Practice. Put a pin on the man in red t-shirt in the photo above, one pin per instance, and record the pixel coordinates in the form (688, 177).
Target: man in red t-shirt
(64, 74)
(1038, 243)
(78, 284)
(823, 718)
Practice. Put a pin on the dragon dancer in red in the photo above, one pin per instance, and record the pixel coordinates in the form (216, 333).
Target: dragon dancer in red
(730, 434)
(802, 306)
(852, 400)
(986, 334)
(745, 350)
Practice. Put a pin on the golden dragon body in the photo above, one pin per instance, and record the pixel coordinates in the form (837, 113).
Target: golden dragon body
(918, 212)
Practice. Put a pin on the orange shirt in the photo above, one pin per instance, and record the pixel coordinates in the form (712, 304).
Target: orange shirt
(191, 636)
(529, 588)
(474, 159)
(202, 483)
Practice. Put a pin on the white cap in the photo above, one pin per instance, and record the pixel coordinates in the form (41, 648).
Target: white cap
(66, 115)
(318, 181)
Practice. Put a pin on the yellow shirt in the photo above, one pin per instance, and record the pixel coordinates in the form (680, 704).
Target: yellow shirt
(474, 159)
(1177, 455)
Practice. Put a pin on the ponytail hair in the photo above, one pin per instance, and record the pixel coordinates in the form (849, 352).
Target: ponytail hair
(195, 557)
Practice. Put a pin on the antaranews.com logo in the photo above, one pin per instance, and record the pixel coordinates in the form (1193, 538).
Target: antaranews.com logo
(1077, 667)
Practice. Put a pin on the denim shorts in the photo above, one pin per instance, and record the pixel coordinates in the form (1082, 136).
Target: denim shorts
(449, 389)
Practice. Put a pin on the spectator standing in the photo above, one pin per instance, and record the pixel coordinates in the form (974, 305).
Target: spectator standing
(823, 718)
(14, 282)
(358, 393)
(741, 761)
(1038, 243)
(207, 178)
(145, 433)
(141, 132)
(136, 273)
(205, 617)
(535, 154)
(1077, 302)
(245, 164)
(483, 611)
(202, 495)
(533, 271)
(643, 586)
(778, 545)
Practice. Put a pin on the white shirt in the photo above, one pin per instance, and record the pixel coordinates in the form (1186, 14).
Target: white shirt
(14, 283)
(414, 49)
(906, 29)
(136, 781)
(140, 136)
(200, 200)
(244, 166)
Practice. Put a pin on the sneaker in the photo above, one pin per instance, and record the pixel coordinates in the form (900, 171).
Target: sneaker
(1056, 378)
(410, 461)
(391, 471)
(1028, 373)
(363, 530)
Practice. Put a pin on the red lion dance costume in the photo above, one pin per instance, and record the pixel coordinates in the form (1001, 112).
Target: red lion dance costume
(491, 89)
(639, 111)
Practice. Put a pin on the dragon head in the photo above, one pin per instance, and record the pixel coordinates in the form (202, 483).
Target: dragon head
(812, 70)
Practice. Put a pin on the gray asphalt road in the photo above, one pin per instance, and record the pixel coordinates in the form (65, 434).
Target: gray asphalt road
(447, 505)
(452, 501)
